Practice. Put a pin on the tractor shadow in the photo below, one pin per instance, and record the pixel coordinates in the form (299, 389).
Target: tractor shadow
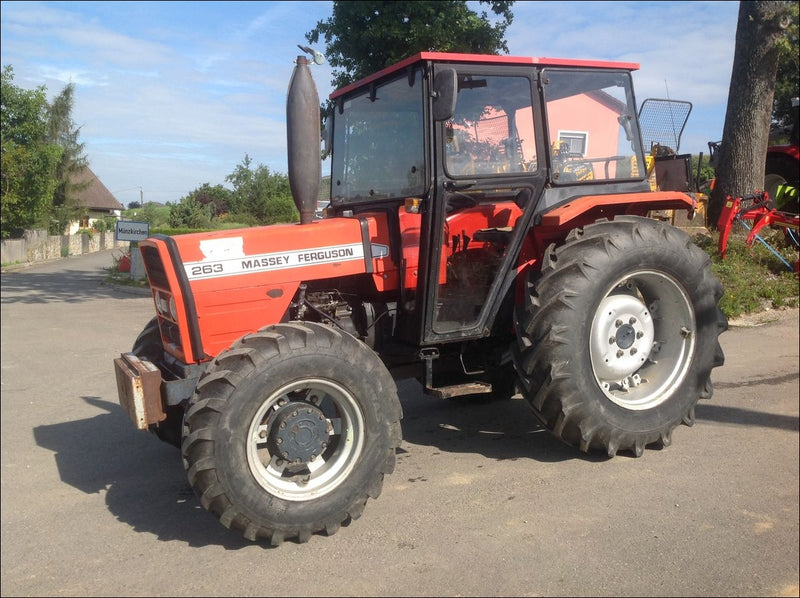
(504, 430)
(143, 479)
(146, 487)
(495, 429)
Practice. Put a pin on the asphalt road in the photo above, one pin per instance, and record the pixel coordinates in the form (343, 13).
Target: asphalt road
(483, 502)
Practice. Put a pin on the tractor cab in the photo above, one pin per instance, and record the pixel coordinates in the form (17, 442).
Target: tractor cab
(464, 154)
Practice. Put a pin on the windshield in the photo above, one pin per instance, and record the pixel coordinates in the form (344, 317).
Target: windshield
(592, 126)
(378, 147)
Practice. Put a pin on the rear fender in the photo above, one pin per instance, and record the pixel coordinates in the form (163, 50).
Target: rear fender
(556, 223)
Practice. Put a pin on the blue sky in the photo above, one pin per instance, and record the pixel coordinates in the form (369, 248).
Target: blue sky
(172, 95)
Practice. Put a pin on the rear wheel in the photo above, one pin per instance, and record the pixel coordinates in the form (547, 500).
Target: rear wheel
(619, 335)
(290, 431)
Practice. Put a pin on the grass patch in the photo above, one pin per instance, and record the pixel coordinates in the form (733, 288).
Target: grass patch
(124, 279)
(754, 278)
(114, 276)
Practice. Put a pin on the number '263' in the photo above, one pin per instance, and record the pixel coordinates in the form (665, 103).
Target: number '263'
(206, 269)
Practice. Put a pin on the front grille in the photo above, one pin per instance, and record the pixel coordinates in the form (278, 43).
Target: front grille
(157, 275)
(155, 268)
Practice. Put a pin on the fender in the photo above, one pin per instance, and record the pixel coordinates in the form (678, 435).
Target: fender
(588, 208)
(553, 225)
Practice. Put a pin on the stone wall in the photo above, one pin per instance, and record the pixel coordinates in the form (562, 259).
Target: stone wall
(38, 246)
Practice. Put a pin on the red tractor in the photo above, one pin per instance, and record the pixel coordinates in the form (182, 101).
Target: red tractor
(487, 232)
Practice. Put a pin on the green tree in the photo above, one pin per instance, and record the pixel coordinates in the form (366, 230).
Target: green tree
(761, 32)
(63, 132)
(154, 214)
(29, 160)
(364, 37)
(218, 198)
(189, 213)
(787, 81)
(259, 196)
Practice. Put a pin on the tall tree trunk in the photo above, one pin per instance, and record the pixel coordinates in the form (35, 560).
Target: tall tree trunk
(740, 170)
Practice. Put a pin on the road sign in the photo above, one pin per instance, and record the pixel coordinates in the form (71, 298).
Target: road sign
(130, 230)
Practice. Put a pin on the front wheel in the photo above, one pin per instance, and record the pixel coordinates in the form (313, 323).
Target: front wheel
(619, 335)
(290, 431)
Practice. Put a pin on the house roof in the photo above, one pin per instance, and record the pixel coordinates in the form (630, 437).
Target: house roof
(94, 196)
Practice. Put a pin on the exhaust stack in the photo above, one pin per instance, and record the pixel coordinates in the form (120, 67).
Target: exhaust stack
(303, 139)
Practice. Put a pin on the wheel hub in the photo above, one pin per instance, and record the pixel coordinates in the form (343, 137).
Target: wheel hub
(622, 339)
(625, 336)
(299, 433)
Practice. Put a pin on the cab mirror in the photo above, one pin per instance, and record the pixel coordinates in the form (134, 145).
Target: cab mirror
(444, 94)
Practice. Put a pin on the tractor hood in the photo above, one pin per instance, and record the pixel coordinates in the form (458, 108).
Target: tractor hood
(229, 283)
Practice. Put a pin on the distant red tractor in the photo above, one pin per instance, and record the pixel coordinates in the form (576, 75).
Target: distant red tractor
(488, 232)
(782, 168)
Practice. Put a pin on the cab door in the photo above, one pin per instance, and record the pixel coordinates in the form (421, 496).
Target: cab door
(488, 176)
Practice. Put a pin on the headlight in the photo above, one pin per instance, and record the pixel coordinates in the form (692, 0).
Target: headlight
(163, 304)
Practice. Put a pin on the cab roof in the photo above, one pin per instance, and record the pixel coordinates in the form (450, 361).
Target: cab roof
(485, 59)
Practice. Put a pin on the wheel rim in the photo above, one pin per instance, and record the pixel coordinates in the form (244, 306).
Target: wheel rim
(305, 439)
(642, 340)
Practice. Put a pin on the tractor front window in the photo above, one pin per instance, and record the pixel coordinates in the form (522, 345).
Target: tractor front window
(378, 143)
(592, 127)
